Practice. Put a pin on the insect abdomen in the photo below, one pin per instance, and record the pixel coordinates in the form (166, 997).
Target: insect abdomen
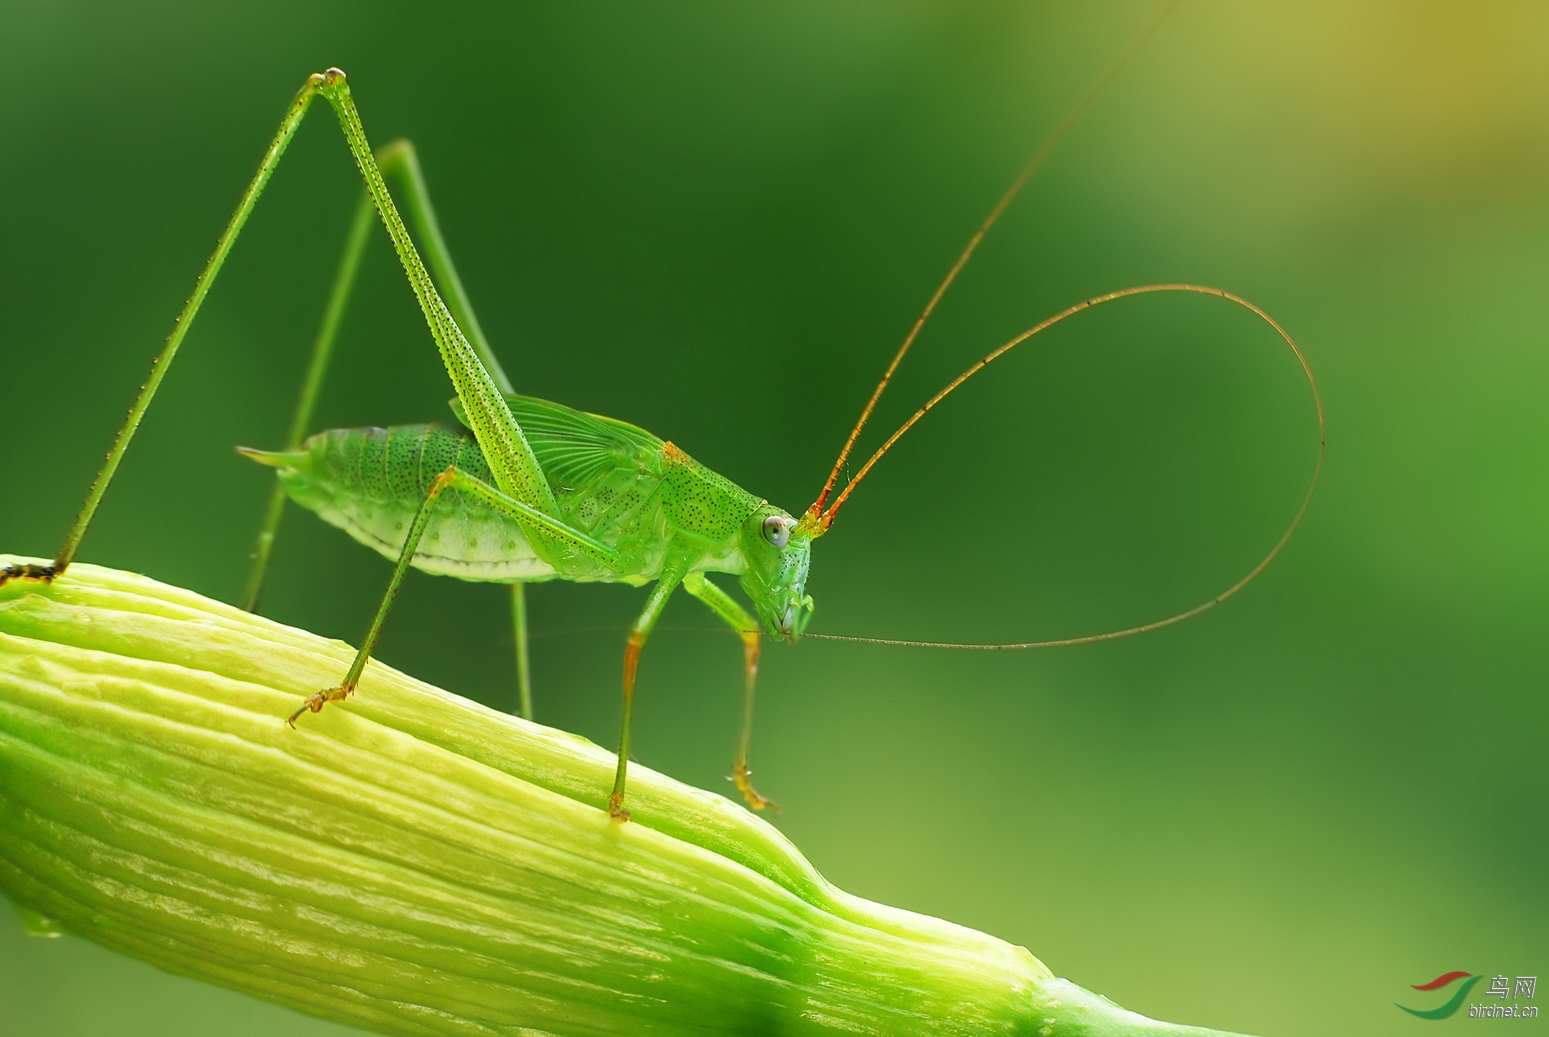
(369, 482)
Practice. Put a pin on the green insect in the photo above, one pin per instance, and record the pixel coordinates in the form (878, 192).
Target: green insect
(526, 490)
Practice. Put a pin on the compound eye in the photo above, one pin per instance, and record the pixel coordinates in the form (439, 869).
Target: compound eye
(777, 530)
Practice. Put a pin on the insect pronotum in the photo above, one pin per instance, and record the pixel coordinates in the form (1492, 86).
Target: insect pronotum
(532, 490)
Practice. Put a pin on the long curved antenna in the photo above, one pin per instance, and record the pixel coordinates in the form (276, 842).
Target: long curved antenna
(1317, 400)
(812, 519)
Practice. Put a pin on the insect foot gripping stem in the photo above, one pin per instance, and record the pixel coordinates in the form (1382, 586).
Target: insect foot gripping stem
(741, 775)
(741, 772)
(318, 699)
(616, 811)
(31, 571)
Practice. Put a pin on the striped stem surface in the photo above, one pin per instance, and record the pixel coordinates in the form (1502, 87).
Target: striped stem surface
(414, 863)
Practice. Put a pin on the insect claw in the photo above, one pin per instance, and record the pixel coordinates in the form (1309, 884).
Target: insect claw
(30, 571)
(318, 699)
(306, 705)
(755, 799)
(616, 811)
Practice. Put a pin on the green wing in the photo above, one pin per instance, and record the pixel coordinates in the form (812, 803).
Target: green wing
(576, 449)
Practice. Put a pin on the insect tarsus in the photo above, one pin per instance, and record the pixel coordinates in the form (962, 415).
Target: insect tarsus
(31, 571)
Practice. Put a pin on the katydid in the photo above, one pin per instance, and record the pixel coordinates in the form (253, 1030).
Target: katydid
(530, 490)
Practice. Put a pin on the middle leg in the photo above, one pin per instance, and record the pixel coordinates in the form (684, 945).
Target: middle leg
(665, 585)
(531, 518)
(317, 700)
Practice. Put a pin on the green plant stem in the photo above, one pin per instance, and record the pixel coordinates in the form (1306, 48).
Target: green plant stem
(414, 863)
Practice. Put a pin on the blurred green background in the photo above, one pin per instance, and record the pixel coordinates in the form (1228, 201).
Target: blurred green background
(716, 221)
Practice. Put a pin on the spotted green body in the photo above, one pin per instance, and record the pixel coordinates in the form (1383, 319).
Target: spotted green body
(618, 483)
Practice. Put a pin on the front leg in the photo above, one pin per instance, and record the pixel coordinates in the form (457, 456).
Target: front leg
(746, 627)
(665, 585)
